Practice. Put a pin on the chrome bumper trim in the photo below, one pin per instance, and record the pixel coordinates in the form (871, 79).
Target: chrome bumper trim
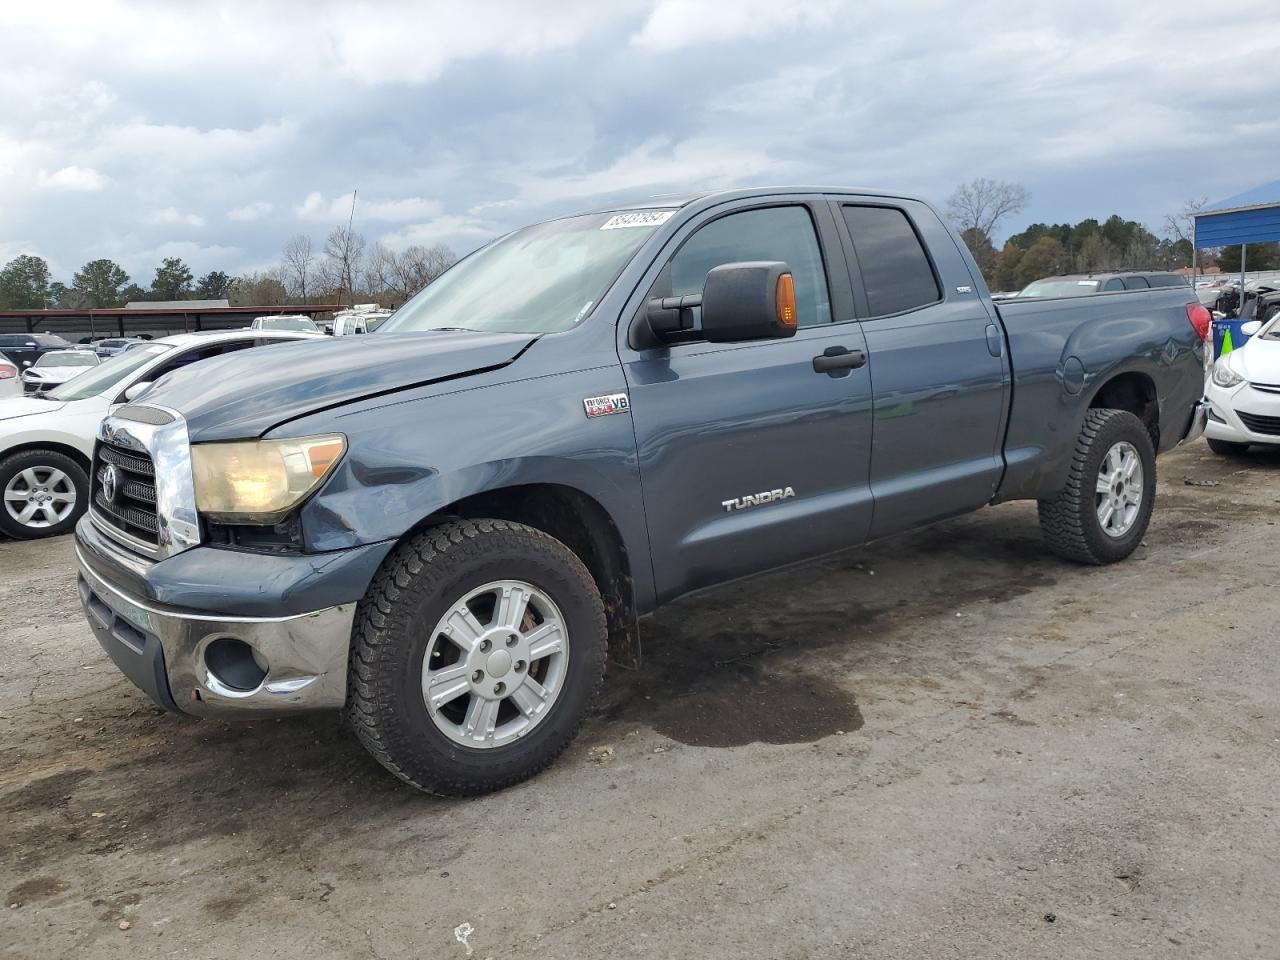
(306, 654)
(1199, 419)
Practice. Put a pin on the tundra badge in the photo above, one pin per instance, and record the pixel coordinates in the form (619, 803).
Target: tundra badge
(603, 406)
(757, 499)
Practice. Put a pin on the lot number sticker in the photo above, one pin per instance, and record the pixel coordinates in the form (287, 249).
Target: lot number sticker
(638, 218)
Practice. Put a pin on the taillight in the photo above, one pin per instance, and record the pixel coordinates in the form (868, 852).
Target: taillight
(8, 371)
(1200, 318)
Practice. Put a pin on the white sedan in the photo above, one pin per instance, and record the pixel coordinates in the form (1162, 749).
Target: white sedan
(47, 438)
(57, 367)
(1244, 391)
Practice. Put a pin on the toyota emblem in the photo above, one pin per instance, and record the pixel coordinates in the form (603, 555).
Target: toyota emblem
(110, 481)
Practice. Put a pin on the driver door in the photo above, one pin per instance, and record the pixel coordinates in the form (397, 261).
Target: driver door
(749, 457)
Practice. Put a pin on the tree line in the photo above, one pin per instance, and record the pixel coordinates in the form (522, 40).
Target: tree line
(1041, 250)
(346, 269)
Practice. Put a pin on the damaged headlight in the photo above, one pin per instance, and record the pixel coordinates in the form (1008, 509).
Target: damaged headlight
(260, 481)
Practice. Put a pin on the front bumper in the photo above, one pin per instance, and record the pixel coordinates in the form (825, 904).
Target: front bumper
(300, 661)
(1227, 403)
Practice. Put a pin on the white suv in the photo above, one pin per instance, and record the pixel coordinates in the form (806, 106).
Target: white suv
(46, 440)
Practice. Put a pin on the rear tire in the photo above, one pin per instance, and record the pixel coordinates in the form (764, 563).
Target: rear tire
(1111, 444)
(1227, 448)
(414, 612)
(44, 493)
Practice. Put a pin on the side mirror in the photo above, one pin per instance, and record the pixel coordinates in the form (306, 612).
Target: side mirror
(1250, 328)
(749, 301)
(137, 390)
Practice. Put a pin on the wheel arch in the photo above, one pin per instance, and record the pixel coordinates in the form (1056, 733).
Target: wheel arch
(57, 446)
(581, 523)
(1134, 391)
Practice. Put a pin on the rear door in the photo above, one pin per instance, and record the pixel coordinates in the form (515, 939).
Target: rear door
(749, 457)
(937, 362)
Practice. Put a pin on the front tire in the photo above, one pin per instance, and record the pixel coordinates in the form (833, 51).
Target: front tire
(44, 494)
(1102, 514)
(477, 651)
(1227, 448)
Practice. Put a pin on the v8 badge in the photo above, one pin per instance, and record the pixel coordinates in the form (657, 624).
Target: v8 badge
(604, 406)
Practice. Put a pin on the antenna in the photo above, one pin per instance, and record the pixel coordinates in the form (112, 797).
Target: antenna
(351, 280)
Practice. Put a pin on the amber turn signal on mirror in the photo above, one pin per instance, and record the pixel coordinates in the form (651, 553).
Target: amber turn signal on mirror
(785, 300)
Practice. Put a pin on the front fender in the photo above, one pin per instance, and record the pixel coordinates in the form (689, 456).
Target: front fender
(410, 459)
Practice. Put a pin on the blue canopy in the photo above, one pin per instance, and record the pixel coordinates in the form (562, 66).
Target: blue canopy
(1249, 217)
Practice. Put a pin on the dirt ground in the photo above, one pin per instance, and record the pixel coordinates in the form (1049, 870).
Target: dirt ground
(945, 745)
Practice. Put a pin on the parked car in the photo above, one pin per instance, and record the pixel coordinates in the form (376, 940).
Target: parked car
(57, 367)
(286, 321)
(1244, 391)
(442, 527)
(24, 349)
(347, 322)
(46, 439)
(1083, 284)
(114, 345)
(10, 378)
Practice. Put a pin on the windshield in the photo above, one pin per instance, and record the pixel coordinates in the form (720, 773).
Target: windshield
(109, 373)
(1060, 288)
(287, 323)
(67, 358)
(542, 279)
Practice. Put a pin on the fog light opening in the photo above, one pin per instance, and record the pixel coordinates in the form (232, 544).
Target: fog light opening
(235, 664)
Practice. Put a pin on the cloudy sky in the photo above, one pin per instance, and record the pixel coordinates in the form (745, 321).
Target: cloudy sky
(215, 131)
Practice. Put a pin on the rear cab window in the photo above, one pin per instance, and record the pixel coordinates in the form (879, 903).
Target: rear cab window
(896, 271)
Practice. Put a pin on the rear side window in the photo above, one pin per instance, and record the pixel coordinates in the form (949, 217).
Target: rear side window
(895, 268)
(1136, 283)
(1166, 280)
(771, 233)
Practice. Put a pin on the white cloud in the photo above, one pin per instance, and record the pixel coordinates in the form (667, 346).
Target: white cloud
(172, 215)
(449, 228)
(675, 24)
(316, 207)
(250, 211)
(72, 178)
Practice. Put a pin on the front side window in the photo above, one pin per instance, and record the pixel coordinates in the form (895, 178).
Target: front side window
(896, 271)
(770, 233)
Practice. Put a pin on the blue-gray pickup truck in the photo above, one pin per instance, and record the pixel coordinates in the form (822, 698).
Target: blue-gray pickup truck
(445, 528)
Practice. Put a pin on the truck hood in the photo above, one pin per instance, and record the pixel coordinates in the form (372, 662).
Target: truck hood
(13, 407)
(245, 394)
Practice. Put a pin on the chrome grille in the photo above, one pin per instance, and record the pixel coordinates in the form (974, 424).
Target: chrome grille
(133, 507)
(1266, 387)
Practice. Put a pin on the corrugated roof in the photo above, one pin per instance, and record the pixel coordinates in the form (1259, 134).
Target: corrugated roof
(175, 304)
(1265, 195)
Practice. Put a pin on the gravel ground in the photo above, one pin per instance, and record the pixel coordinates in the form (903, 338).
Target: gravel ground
(944, 745)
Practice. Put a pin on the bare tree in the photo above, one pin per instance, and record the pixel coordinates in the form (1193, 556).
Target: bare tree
(344, 249)
(299, 259)
(981, 204)
(1182, 225)
(397, 276)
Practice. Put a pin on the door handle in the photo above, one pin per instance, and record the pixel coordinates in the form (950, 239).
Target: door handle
(995, 344)
(838, 362)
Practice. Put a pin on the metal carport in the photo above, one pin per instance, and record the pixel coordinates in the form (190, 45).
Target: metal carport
(1249, 217)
